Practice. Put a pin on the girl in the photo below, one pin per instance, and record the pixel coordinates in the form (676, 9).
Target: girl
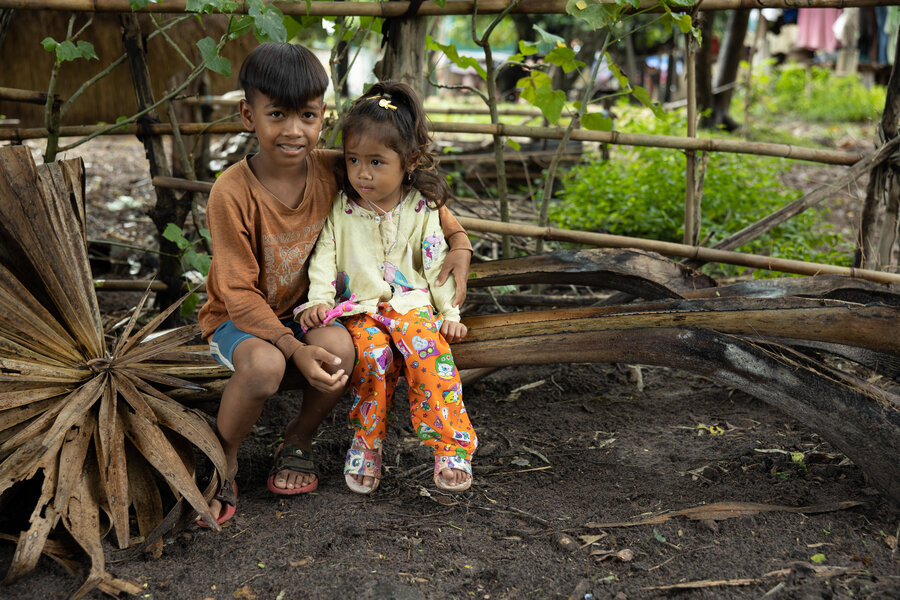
(383, 243)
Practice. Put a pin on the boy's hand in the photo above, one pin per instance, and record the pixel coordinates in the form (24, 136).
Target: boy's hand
(453, 331)
(457, 263)
(310, 360)
(313, 316)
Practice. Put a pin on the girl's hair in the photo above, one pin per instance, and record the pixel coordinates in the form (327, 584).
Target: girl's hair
(290, 74)
(392, 112)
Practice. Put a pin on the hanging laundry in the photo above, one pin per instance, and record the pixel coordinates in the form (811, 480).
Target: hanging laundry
(815, 28)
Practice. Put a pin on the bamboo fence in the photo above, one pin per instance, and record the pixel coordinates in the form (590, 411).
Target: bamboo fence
(451, 7)
(604, 240)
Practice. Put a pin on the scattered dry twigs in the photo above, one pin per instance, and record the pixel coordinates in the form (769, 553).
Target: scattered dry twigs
(815, 570)
(89, 421)
(719, 511)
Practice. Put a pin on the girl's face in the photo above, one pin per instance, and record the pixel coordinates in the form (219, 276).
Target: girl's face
(374, 170)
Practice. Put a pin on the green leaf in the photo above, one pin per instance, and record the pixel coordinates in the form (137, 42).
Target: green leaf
(659, 537)
(173, 234)
(204, 233)
(597, 122)
(817, 558)
(564, 57)
(138, 4)
(617, 72)
(643, 96)
(293, 26)
(537, 89)
(527, 48)
(514, 144)
(198, 260)
(546, 40)
(596, 14)
(214, 62)
(239, 25)
(87, 50)
(49, 44)
(453, 56)
(189, 304)
(268, 22)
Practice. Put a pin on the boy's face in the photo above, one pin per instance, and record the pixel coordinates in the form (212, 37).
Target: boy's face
(285, 136)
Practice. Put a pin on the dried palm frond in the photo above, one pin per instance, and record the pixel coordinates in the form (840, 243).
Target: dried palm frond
(88, 421)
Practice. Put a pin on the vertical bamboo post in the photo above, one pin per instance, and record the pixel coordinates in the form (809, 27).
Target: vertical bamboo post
(691, 210)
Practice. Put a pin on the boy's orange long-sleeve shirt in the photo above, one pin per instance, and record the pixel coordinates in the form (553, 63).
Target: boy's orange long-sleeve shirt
(261, 249)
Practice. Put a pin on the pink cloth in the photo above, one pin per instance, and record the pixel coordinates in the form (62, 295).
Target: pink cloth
(815, 28)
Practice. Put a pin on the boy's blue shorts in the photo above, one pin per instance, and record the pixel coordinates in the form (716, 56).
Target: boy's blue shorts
(227, 336)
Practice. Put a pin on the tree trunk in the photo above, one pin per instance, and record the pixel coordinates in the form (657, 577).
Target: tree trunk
(730, 53)
(703, 65)
(405, 56)
(872, 218)
(169, 208)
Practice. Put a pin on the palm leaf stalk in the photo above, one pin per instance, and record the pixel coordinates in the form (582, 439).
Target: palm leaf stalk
(88, 432)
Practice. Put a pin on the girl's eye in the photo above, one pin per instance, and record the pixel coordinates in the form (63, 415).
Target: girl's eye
(276, 114)
(309, 115)
(352, 161)
(375, 162)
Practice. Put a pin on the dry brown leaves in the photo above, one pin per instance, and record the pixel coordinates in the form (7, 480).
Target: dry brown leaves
(83, 412)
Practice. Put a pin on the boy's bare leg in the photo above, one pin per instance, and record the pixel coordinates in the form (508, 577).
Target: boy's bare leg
(258, 370)
(316, 404)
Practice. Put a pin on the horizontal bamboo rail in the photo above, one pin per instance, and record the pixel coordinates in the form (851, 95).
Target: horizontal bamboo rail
(430, 109)
(397, 9)
(831, 157)
(28, 96)
(605, 240)
(672, 249)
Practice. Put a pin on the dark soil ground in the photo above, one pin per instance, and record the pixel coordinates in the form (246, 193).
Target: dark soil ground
(570, 456)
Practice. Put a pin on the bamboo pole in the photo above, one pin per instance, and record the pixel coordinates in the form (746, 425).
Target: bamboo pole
(672, 249)
(451, 7)
(659, 141)
(28, 96)
(830, 157)
(691, 204)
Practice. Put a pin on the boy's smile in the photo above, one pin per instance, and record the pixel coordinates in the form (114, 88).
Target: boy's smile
(374, 170)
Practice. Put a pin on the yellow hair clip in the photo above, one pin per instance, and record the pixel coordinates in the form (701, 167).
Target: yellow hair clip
(385, 103)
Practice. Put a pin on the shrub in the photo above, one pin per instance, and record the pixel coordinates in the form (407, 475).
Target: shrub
(817, 95)
(640, 192)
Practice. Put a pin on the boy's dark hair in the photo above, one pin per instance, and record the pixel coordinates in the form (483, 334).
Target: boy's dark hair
(290, 74)
(403, 129)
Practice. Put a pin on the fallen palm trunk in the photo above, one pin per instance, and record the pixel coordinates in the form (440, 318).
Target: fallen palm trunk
(857, 418)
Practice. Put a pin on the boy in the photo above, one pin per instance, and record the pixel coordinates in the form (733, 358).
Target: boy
(264, 215)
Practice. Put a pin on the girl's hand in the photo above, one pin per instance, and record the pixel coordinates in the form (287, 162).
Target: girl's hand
(453, 331)
(456, 263)
(313, 316)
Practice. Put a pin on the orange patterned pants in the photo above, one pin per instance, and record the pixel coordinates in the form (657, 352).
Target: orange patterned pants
(388, 343)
